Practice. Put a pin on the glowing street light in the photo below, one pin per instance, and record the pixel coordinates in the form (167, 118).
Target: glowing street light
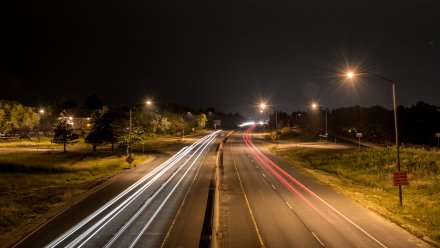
(315, 106)
(41, 111)
(350, 75)
(148, 102)
(263, 106)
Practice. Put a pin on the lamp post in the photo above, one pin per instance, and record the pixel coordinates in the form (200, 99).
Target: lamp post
(263, 106)
(393, 84)
(41, 112)
(315, 106)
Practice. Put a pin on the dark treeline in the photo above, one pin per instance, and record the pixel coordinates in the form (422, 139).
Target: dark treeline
(417, 124)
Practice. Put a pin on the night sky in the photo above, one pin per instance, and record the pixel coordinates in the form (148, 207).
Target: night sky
(223, 54)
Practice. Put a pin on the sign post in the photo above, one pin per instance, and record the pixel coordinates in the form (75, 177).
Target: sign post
(129, 160)
(438, 139)
(400, 178)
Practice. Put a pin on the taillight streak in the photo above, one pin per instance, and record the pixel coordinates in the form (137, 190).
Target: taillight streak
(262, 159)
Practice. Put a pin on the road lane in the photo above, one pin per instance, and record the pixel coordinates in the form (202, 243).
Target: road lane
(294, 210)
(141, 215)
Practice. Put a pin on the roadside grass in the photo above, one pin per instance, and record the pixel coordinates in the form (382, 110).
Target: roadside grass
(32, 183)
(44, 142)
(366, 177)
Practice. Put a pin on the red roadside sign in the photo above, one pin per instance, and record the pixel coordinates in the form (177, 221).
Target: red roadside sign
(400, 178)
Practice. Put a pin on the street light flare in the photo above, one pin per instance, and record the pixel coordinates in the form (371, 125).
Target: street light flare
(263, 106)
(314, 105)
(350, 74)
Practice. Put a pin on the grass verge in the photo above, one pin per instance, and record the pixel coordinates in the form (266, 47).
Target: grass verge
(366, 177)
(32, 183)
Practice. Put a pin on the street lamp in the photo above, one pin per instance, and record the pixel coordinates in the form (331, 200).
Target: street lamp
(350, 75)
(263, 106)
(41, 111)
(315, 106)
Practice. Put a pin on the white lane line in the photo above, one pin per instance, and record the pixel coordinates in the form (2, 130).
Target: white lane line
(273, 186)
(168, 196)
(263, 174)
(316, 237)
(257, 166)
(163, 166)
(319, 198)
(290, 206)
(158, 170)
(101, 224)
(147, 203)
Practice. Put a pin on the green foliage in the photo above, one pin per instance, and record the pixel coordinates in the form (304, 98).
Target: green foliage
(201, 120)
(64, 134)
(104, 129)
(14, 116)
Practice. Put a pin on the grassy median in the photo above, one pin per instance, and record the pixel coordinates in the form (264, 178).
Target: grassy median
(32, 183)
(366, 177)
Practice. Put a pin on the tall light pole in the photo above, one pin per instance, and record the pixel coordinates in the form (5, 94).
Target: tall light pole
(41, 112)
(393, 84)
(315, 106)
(263, 106)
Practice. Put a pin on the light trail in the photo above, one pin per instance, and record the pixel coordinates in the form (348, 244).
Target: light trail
(169, 195)
(265, 161)
(172, 166)
(67, 234)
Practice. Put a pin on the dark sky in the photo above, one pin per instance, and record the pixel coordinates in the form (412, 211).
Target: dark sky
(224, 54)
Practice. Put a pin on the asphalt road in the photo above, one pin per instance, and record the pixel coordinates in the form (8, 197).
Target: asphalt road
(143, 213)
(275, 205)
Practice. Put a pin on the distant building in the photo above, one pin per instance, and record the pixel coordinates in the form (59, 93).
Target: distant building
(78, 118)
(217, 124)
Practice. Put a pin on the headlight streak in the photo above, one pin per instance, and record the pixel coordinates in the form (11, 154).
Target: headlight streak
(145, 205)
(154, 175)
(248, 141)
(169, 195)
(176, 157)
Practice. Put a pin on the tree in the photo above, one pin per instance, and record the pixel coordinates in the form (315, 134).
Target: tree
(201, 120)
(14, 116)
(104, 129)
(64, 134)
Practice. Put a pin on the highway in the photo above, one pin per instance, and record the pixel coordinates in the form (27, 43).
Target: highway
(142, 214)
(272, 204)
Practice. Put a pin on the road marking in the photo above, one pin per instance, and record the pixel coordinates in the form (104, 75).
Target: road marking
(263, 174)
(165, 240)
(289, 205)
(257, 166)
(247, 203)
(315, 195)
(316, 237)
(273, 186)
